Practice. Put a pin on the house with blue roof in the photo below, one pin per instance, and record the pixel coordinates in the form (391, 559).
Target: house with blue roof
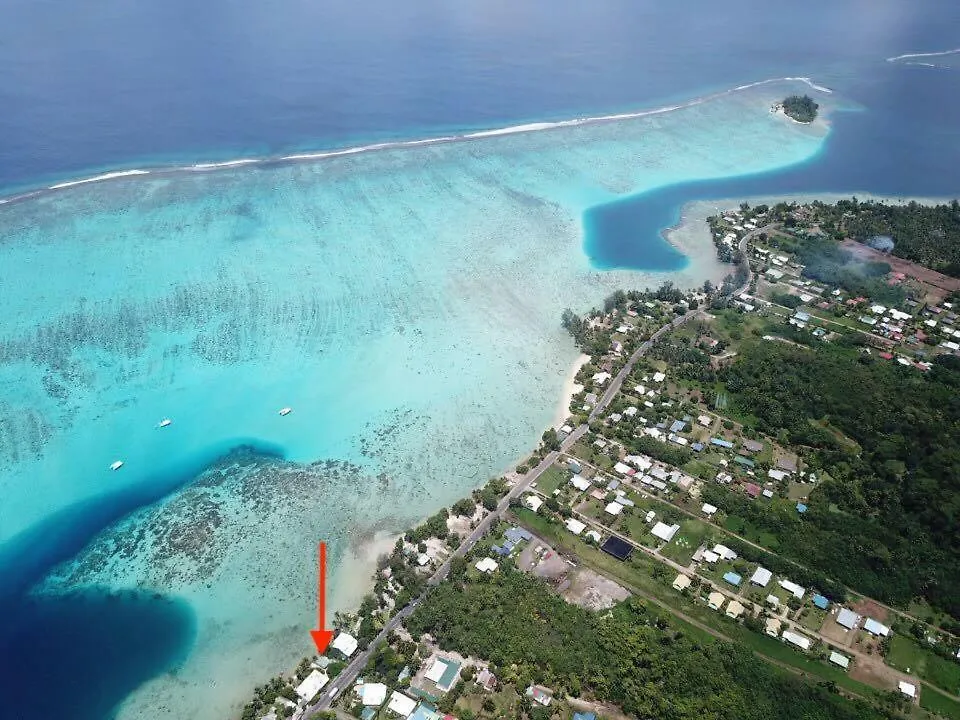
(721, 443)
(801, 508)
(821, 602)
(733, 578)
(584, 716)
(697, 447)
(677, 426)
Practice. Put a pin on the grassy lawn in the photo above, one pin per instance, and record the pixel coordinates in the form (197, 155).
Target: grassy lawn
(554, 477)
(907, 653)
(812, 618)
(687, 540)
(938, 703)
(741, 527)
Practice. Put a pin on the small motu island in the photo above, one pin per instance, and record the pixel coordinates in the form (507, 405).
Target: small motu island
(800, 108)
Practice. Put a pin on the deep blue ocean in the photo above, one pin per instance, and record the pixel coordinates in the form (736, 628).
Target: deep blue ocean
(89, 87)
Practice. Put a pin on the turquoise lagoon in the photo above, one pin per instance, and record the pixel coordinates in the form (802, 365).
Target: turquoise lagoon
(405, 303)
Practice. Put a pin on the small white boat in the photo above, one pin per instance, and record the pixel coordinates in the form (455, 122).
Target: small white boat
(116, 465)
(166, 422)
(285, 411)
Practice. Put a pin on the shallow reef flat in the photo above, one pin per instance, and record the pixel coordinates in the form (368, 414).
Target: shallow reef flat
(404, 302)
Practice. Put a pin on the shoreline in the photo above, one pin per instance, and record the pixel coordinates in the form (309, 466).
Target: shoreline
(570, 388)
(694, 213)
(354, 574)
(119, 172)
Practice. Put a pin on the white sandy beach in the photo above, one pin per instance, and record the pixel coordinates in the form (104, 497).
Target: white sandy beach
(570, 388)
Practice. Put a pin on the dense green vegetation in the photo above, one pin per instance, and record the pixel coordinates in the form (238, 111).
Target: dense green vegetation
(886, 520)
(824, 260)
(633, 656)
(800, 108)
(926, 234)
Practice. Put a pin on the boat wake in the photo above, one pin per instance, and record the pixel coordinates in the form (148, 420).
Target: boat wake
(403, 144)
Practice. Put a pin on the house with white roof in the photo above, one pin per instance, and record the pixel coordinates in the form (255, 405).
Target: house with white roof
(876, 628)
(725, 552)
(402, 705)
(793, 588)
(372, 694)
(838, 659)
(659, 377)
(487, 565)
(311, 685)
(761, 576)
(908, 689)
(533, 502)
(601, 377)
(708, 509)
(848, 619)
(345, 643)
(575, 526)
(580, 482)
(796, 639)
(664, 532)
(624, 469)
(613, 508)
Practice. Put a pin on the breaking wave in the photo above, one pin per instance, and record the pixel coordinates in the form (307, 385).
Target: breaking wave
(401, 144)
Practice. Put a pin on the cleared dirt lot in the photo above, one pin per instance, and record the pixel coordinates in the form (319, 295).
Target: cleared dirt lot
(577, 584)
(944, 283)
(872, 671)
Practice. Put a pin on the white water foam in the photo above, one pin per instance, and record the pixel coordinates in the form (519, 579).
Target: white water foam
(909, 56)
(398, 144)
(99, 178)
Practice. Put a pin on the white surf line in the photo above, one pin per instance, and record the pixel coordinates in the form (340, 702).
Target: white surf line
(98, 178)
(225, 164)
(907, 56)
(400, 144)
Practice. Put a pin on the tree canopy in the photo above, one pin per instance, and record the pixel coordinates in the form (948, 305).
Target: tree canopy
(632, 656)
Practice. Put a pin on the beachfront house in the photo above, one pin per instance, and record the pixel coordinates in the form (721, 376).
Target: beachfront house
(311, 685)
(345, 643)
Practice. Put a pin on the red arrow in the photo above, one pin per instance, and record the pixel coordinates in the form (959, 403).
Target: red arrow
(322, 637)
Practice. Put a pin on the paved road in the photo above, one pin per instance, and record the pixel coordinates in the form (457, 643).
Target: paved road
(355, 666)
(346, 678)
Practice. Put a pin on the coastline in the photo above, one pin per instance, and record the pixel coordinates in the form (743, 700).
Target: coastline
(694, 213)
(126, 173)
(570, 388)
(354, 574)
